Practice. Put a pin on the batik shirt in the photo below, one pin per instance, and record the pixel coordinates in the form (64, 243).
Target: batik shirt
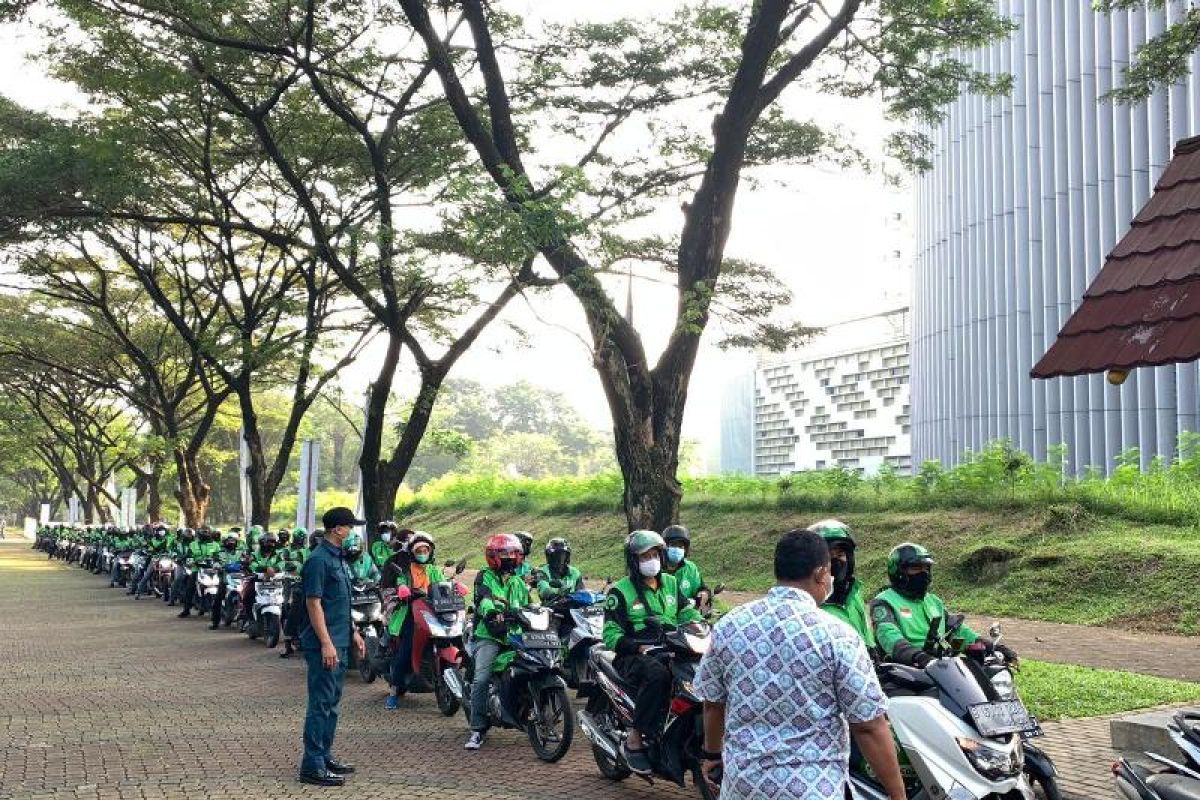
(791, 678)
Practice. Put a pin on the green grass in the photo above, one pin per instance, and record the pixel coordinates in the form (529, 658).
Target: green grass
(1059, 691)
(1027, 563)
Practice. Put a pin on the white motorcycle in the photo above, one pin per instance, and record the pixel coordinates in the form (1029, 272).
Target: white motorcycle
(961, 729)
(267, 612)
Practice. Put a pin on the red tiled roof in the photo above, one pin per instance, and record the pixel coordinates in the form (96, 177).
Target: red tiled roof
(1143, 308)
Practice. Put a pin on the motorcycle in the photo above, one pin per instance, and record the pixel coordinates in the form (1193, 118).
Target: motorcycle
(208, 581)
(366, 613)
(961, 732)
(162, 577)
(266, 615)
(231, 606)
(675, 751)
(526, 691)
(440, 619)
(579, 618)
(1179, 780)
(131, 568)
(103, 563)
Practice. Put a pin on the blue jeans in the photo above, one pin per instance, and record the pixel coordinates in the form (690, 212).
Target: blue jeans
(483, 654)
(324, 696)
(402, 658)
(116, 568)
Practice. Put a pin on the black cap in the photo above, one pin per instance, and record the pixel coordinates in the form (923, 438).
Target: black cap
(336, 517)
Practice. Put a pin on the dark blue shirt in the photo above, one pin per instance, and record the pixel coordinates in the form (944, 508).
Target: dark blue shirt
(327, 577)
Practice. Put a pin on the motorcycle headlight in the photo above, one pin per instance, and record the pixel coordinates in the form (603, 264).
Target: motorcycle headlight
(991, 762)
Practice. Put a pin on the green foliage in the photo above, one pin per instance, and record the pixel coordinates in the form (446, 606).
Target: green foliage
(1058, 691)
(1164, 60)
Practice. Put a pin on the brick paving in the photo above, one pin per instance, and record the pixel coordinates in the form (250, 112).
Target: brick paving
(107, 699)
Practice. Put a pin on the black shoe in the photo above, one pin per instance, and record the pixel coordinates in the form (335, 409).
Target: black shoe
(338, 767)
(212, 626)
(171, 604)
(322, 779)
(187, 612)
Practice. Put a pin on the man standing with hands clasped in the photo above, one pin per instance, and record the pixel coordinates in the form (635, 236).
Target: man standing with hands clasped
(781, 683)
(325, 638)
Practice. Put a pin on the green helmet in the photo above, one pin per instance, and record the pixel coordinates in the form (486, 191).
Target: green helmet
(906, 555)
(638, 543)
(832, 531)
(299, 531)
(255, 531)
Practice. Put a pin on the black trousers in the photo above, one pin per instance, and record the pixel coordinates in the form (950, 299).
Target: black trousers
(653, 683)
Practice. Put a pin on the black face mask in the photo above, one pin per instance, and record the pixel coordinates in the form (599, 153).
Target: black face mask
(508, 565)
(914, 587)
(230, 547)
(842, 580)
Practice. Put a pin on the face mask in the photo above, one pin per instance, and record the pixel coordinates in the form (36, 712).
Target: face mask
(918, 584)
(650, 569)
(422, 558)
(387, 537)
(675, 555)
(828, 589)
(508, 564)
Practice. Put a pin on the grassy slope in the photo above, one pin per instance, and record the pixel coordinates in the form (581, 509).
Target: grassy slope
(1054, 565)
(1058, 691)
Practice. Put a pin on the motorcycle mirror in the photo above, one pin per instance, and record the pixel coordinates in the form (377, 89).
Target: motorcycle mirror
(720, 588)
(994, 631)
(461, 566)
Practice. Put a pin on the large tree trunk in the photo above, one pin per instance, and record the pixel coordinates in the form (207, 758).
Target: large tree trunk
(394, 469)
(373, 427)
(192, 492)
(151, 489)
(256, 472)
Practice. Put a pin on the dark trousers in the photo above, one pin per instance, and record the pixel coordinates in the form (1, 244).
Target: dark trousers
(324, 696)
(402, 656)
(219, 601)
(653, 683)
(189, 589)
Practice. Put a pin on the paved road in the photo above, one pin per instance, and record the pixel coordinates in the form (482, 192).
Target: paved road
(105, 698)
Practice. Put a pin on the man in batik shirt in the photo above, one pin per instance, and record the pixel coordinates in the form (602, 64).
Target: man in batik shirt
(783, 681)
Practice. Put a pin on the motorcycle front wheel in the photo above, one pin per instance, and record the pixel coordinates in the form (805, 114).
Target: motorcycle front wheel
(271, 626)
(447, 703)
(551, 726)
(1044, 787)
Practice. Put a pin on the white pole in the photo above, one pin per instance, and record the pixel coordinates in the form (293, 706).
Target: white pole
(72, 510)
(128, 507)
(244, 476)
(44, 516)
(306, 504)
(359, 508)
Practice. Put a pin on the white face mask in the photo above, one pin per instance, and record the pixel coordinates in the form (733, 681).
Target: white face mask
(828, 589)
(387, 537)
(650, 569)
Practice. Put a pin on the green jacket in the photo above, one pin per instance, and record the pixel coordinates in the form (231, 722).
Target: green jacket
(571, 582)
(625, 613)
(404, 578)
(381, 551)
(689, 578)
(296, 555)
(364, 569)
(261, 562)
(199, 550)
(495, 592)
(853, 612)
(902, 625)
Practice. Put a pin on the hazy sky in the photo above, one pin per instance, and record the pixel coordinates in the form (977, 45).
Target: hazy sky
(827, 234)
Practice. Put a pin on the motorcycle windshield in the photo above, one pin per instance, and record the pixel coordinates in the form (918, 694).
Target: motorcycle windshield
(960, 686)
(586, 598)
(443, 599)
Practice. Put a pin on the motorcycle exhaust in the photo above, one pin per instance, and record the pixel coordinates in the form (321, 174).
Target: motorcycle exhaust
(450, 676)
(598, 737)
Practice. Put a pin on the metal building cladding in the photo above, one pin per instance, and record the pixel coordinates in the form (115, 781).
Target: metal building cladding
(1028, 193)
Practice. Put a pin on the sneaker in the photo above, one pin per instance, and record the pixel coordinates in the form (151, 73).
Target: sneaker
(187, 612)
(637, 760)
(474, 741)
(392, 703)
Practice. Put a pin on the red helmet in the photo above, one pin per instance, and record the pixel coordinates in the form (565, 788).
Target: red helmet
(502, 544)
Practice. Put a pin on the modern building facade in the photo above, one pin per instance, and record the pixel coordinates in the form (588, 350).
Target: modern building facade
(1028, 194)
(841, 401)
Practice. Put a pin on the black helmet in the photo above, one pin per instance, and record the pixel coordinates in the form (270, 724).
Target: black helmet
(187, 534)
(908, 555)
(267, 543)
(558, 555)
(387, 525)
(677, 533)
(230, 542)
(284, 536)
(526, 541)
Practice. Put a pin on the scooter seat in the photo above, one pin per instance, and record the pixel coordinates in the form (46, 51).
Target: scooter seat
(605, 663)
(1175, 787)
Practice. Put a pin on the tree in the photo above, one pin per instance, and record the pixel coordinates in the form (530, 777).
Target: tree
(589, 82)
(1165, 59)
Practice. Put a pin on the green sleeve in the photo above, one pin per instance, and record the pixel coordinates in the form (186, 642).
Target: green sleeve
(545, 592)
(485, 602)
(887, 633)
(616, 621)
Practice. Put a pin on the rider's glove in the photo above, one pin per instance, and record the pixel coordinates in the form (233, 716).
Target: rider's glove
(403, 594)
(461, 589)
(979, 649)
(1009, 654)
(921, 660)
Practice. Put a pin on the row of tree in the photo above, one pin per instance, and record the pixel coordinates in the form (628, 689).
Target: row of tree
(254, 190)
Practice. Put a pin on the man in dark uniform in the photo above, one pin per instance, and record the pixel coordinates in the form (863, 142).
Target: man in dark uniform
(325, 638)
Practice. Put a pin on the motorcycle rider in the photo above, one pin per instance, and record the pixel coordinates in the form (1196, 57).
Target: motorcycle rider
(901, 614)
(180, 551)
(525, 570)
(232, 559)
(267, 561)
(405, 574)
(677, 563)
(122, 543)
(254, 533)
(362, 568)
(498, 589)
(638, 608)
(557, 577)
(847, 602)
(386, 537)
(302, 545)
(160, 545)
(203, 548)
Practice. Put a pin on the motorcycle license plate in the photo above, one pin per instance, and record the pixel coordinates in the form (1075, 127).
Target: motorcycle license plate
(541, 639)
(1002, 717)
